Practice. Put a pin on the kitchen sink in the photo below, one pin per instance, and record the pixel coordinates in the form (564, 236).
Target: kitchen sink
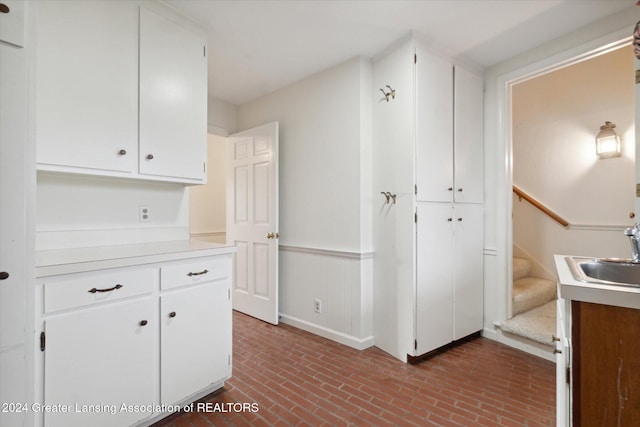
(609, 271)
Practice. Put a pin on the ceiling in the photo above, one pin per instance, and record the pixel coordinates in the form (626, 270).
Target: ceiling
(258, 46)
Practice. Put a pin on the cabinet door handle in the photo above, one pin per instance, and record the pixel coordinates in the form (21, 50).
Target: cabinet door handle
(94, 290)
(449, 219)
(149, 156)
(172, 314)
(143, 323)
(4, 275)
(556, 351)
(450, 189)
(4, 8)
(197, 274)
(122, 152)
(459, 219)
(460, 189)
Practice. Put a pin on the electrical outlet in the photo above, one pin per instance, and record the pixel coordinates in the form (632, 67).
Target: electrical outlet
(144, 214)
(317, 306)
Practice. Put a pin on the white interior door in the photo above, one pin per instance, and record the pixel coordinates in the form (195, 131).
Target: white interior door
(252, 220)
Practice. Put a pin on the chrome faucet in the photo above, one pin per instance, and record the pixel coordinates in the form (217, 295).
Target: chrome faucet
(634, 235)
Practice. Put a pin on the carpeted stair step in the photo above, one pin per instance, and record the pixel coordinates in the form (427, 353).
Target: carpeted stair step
(521, 268)
(531, 292)
(538, 324)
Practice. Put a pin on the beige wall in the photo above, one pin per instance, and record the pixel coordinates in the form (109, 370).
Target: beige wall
(555, 119)
(207, 203)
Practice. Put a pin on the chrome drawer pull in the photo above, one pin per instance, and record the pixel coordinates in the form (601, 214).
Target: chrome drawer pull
(94, 290)
(198, 274)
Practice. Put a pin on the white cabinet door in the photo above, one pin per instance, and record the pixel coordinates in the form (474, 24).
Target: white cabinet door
(434, 293)
(87, 84)
(434, 128)
(12, 22)
(468, 143)
(173, 99)
(195, 339)
(468, 277)
(98, 359)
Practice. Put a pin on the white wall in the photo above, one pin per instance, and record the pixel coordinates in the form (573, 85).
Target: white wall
(77, 211)
(325, 194)
(222, 117)
(207, 203)
(555, 119)
(498, 194)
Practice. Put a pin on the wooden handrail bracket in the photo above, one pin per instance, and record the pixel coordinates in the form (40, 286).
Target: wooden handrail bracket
(551, 214)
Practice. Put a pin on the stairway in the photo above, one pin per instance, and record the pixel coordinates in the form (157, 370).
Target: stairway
(533, 304)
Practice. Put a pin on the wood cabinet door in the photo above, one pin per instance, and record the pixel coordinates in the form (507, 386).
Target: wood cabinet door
(196, 334)
(173, 99)
(98, 359)
(605, 365)
(434, 293)
(87, 79)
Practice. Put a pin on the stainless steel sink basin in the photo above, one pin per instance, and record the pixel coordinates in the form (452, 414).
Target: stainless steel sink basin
(610, 271)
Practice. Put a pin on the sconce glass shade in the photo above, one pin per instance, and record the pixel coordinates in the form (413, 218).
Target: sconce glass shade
(608, 142)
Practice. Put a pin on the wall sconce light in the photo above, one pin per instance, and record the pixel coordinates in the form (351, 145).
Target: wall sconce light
(608, 142)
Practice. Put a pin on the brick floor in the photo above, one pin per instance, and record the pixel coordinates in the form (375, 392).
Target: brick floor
(294, 378)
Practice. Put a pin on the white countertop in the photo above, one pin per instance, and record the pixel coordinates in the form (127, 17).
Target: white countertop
(572, 289)
(66, 261)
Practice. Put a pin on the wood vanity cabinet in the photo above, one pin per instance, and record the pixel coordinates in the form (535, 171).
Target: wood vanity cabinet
(605, 368)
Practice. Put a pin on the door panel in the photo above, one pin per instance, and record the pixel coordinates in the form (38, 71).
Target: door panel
(252, 223)
(434, 293)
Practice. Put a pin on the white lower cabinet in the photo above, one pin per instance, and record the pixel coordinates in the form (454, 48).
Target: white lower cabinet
(97, 360)
(195, 326)
(118, 344)
(449, 289)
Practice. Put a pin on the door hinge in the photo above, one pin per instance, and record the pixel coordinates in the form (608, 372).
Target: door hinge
(204, 167)
(229, 359)
(204, 51)
(42, 341)
(415, 189)
(568, 375)
(415, 217)
(229, 293)
(415, 344)
(415, 58)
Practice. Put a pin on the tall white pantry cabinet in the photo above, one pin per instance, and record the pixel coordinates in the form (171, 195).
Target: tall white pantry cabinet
(428, 153)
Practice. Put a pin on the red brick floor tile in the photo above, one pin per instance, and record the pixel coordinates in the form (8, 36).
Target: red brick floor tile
(299, 379)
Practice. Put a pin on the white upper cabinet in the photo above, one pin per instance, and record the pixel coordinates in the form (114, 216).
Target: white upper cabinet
(468, 132)
(449, 132)
(173, 98)
(121, 91)
(87, 85)
(434, 128)
(12, 22)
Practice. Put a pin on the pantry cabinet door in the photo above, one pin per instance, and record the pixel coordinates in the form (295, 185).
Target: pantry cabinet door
(434, 128)
(87, 85)
(468, 277)
(98, 359)
(434, 261)
(173, 99)
(468, 131)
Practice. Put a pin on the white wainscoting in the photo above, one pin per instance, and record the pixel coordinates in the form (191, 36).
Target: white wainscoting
(341, 280)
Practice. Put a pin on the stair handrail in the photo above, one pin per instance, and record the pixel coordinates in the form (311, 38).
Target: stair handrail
(551, 214)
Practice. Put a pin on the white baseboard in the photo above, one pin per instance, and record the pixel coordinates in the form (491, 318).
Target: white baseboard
(342, 338)
(522, 344)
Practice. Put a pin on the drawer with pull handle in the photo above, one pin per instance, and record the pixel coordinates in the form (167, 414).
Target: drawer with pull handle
(195, 271)
(82, 289)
